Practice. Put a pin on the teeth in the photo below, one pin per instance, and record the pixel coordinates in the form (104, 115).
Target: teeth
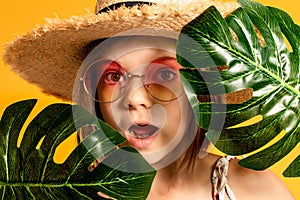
(142, 133)
(138, 136)
(141, 136)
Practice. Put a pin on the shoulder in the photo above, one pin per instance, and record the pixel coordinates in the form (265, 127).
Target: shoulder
(256, 184)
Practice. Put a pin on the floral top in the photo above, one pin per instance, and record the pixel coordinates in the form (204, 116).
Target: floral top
(219, 180)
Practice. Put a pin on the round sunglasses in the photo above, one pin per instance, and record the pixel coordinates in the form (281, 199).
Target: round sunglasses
(106, 81)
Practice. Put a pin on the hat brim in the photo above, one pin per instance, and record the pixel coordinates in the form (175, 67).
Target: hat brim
(50, 55)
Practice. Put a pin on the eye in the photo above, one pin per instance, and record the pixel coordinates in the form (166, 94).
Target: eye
(112, 76)
(166, 74)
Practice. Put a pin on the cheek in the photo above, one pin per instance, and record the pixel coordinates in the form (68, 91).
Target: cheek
(179, 117)
(173, 119)
(107, 115)
(115, 116)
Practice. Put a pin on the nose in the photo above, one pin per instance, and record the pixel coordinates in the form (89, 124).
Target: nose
(139, 97)
(136, 96)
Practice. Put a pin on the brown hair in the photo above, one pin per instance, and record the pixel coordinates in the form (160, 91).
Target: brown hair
(198, 145)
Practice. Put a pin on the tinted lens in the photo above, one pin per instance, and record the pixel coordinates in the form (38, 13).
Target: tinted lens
(104, 81)
(163, 81)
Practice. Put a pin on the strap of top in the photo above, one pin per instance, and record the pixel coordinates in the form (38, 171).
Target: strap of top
(219, 180)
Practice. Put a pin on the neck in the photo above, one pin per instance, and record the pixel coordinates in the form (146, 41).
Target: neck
(175, 178)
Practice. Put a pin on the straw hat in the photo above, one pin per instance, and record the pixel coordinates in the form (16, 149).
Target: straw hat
(50, 55)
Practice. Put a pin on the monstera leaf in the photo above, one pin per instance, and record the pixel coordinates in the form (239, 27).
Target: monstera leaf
(245, 53)
(29, 172)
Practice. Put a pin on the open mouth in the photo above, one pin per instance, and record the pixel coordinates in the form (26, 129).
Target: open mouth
(142, 136)
(142, 131)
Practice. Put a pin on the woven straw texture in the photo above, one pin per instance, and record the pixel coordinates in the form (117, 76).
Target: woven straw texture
(50, 55)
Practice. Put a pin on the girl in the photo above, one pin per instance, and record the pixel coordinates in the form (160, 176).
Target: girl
(132, 82)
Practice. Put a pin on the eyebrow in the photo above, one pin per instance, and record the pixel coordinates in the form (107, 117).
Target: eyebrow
(162, 59)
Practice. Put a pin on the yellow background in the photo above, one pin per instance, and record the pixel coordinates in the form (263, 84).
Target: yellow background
(17, 17)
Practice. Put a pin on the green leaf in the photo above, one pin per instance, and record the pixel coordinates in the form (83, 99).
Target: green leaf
(245, 51)
(31, 173)
(11, 124)
(294, 169)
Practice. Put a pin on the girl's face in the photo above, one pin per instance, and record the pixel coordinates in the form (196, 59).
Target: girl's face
(144, 98)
